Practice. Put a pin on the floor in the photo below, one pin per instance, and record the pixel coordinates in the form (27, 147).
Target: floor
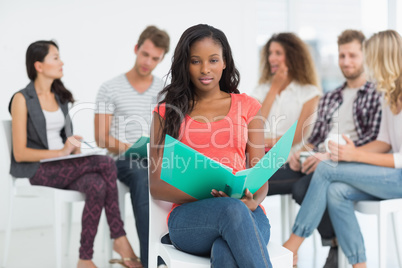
(33, 248)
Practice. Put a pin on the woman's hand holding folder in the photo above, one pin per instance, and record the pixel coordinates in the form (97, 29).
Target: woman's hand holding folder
(247, 199)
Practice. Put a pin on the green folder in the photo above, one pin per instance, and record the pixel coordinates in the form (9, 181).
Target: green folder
(197, 174)
(138, 149)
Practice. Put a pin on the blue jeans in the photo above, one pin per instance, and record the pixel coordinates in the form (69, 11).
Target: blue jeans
(338, 187)
(224, 229)
(134, 174)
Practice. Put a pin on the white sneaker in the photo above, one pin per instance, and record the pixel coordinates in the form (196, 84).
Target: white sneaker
(162, 266)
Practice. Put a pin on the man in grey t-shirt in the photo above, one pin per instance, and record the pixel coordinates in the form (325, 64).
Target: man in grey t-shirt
(123, 115)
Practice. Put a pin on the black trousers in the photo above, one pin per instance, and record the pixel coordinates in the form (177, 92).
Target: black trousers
(287, 181)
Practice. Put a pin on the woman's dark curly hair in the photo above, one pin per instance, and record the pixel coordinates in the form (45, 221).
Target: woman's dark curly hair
(298, 60)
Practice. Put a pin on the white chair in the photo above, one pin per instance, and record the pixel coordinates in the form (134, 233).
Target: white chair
(158, 211)
(382, 209)
(56, 196)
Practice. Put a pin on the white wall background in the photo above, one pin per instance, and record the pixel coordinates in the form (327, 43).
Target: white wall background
(96, 41)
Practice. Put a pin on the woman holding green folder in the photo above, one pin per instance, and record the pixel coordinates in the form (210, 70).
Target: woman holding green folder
(204, 109)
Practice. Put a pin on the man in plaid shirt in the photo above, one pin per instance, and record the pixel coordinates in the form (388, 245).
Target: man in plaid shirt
(353, 109)
(366, 115)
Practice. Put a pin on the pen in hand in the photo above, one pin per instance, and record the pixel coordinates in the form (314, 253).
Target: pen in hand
(89, 145)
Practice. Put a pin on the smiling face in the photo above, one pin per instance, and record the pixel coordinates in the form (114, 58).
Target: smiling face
(276, 56)
(350, 60)
(148, 57)
(51, 66)
(206, 64)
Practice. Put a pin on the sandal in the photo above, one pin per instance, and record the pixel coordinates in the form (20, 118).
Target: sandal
(123, 260)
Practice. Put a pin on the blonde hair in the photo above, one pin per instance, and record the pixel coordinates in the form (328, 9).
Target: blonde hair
(383, 55)
(298, 60)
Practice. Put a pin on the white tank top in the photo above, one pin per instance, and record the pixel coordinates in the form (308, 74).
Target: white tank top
(54, 124)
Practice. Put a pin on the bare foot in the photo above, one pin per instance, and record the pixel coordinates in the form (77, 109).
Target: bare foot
(295, 259)
(294, 254)
(124, 249)
(85, 264)
(293, 244)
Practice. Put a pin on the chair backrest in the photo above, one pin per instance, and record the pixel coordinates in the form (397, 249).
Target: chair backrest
(8, 135)
(158, 211)
(7, 153)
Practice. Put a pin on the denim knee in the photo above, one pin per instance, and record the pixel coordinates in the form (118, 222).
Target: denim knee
(336, 192)
(234, 211)
(326, 167)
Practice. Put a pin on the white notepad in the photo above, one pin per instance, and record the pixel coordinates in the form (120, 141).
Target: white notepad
(89, 152)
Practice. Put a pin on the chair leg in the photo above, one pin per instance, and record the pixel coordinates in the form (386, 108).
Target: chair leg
(396, 235)
(292, 213)
(152, 256)
(315, 248)
(8, 229)
(69, 220)
(284, 215)
(342, 261)
(57, 231)
(382, 239)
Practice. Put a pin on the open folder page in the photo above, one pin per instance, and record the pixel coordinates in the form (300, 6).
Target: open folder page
(197, 174)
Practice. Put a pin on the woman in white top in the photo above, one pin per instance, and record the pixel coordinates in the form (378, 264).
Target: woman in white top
(368, 172)
(288, 88)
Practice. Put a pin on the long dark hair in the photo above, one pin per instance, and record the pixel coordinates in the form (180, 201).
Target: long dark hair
(179, 96)
(37, 51)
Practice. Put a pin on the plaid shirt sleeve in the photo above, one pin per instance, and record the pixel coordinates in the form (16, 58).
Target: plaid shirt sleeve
(316, 136)
(371, 128)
